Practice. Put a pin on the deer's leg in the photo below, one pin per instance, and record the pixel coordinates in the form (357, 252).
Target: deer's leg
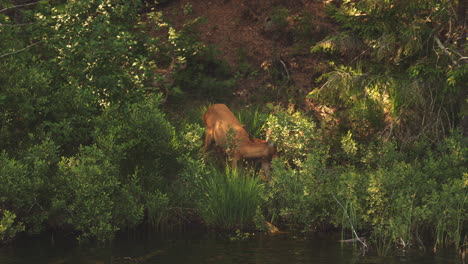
(208, 139)
(234, 163)
(266, 166)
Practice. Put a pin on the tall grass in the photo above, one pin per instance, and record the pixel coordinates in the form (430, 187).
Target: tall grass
(230, 199)
(253, 119)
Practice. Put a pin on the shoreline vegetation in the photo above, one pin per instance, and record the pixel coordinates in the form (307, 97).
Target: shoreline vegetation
(97, 138)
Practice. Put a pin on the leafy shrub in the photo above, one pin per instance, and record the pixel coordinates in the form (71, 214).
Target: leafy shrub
(28, 182)
(206, 77)
(138, 136)
(110, 184)
(294, 136)
(390, 213)
(115, 70)
(448, 217)
(386, 77)
(445, 191)
(190, 181)
(393, 196)
(301, 197)
(190, 138)
(89, 187)
(8, 227)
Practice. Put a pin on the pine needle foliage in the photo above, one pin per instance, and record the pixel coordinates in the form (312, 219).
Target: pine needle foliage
(409, 53)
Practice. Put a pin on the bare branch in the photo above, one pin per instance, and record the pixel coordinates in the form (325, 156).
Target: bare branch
(17, 25)
(16, 51)
(17, 6)
(444, 49)
(350, 224)
(285, 68)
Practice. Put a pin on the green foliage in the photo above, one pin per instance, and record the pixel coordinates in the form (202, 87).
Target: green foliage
(230, 200)
(26, 184)
(349, 145)
(110, 74)
(300, 197)
(81, 82)
(304, 30)
(8, 227)
(395, 68)
(188, 9)
(190, 137)
(279, 18)
(450, 216)
(298, 193)
(85, 146)
(294, 136)
(110, 184)
(205, 76)
(245, 68)
(253, 119)
(390, 213)
(143, 145)
(139, 136)
(89, 184)
(71, 61)
(202, 74)
(157, 204)
(393, 195)
(191, 179)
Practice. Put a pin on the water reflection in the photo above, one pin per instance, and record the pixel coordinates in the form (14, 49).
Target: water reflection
(206, 248)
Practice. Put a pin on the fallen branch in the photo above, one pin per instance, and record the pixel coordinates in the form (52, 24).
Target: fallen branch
(444, 49)
(17, 25)
(17, 6)
(16, 51)
(352, 240)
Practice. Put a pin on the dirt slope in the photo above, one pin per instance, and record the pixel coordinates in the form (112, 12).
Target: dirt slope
(247, 31)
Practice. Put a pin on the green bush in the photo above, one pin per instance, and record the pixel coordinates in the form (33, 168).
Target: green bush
(28, 182)
(191, 181)
(138, 136)
(391, 199)
(301, 197)
(294, 136)
(89, 185)
(8, 227)
(391, 81)
(143, 145)
(394, 196)
(206, 76)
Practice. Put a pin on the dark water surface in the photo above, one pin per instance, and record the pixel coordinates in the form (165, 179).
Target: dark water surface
(202, 247)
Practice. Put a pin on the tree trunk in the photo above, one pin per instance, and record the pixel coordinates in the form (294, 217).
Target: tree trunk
(461, 12)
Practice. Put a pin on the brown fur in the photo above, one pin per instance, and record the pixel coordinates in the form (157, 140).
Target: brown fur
(218, 121)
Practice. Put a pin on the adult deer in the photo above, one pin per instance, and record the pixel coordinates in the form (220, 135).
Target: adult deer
(227, 132)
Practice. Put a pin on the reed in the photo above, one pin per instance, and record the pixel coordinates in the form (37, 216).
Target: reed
(253, 119)
(230, 199)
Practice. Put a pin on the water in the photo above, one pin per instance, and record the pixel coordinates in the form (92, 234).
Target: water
(206, 248)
